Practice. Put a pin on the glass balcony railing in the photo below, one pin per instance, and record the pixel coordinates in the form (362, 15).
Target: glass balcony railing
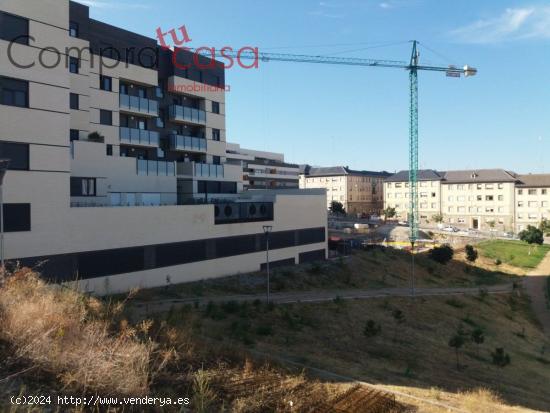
(155, 168)
(187, 143)
(141, 137)
(187, 114)
(140, 105)
(208, 170)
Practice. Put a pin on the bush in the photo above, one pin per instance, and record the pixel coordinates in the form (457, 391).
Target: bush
(498, 261)
(264, 330)
(471, 253)
(315, 269)
(500, 358)
(442, 254)
(532, 235)
(372, 328)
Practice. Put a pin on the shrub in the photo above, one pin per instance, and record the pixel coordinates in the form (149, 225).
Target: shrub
(532, 235)
(230, 307)
(372, 328)
(453, 302)
(442, 254)
(498, 261)
(264, 330)
(315, 268)
(471, 253)
(500, 358)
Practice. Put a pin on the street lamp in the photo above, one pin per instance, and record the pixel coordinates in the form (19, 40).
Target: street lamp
(3, 168)
(267, 230)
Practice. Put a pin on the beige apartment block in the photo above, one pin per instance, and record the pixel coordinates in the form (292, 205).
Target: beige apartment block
(361, 192)
(532, 200)
(478, 199)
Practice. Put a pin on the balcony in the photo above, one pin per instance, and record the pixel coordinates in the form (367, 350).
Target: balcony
(187, 143)
(155, 168)
(187, 114)
(139, 105)
(130, 136)
(201, 170)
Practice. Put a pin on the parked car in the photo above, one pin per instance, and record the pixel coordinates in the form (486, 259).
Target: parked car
(403, 223)
(450, 228)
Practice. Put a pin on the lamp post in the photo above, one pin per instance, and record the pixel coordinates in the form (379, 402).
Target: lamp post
(3, 168)
(267, 230)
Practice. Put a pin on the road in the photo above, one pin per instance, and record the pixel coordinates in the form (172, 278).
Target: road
(144, 308)
(535, 285)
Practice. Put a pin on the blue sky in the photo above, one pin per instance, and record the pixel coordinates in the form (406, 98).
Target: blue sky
(340, 115)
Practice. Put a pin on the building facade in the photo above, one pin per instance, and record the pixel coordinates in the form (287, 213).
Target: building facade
(111, 141)
(485, 199)
(263, 170)
(361, 192)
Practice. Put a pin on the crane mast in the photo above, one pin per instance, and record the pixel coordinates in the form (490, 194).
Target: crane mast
(413, 67)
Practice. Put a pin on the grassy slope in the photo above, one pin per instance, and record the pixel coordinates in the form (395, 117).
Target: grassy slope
(516, 253)
(363, 270)
(414, 356)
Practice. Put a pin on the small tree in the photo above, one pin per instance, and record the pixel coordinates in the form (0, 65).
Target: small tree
(372, 328)
(477, 337)
(471, 253)
(399, 318)
(337, 207)
(96, 137)
(389, 213)
(457, 341)
(545, 226)
(438, 218)
(442, 254)
(500, 358)
(532, 235)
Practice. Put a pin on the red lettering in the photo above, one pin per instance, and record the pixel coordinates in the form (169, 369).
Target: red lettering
(211, 63)
(247, 50)
(175, 58)
(228, 57)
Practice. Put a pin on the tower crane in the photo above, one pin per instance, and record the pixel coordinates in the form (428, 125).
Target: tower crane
(413, 67)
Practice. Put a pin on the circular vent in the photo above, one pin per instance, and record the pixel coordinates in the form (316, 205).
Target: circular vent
(252, 210)
(228, 210)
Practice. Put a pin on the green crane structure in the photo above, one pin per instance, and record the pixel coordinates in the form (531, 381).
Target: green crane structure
(412, 67)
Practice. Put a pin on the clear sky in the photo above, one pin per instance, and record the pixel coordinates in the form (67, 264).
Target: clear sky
(339, 115)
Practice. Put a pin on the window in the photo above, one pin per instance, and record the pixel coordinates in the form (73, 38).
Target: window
(14, 92)
(215, 107)
(533, 204)
(75, 135)
(216, 160)
(489, 197)
(489, 186)
(479, 198)
(73, 29)
(17, 217)
(106, 83)
(105, 117)
(123, 89)
(543, 191)
(142, 92)
(520, 204)
(17, 153)
(109, 150)
(14, 28)
(75, 101)
(74, 65)
(532, 192)
(520, 191)
(500, 186)
(83, 186)
(215, 134)
(501, 197)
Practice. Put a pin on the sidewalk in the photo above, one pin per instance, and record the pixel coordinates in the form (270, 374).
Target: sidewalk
(535, 285)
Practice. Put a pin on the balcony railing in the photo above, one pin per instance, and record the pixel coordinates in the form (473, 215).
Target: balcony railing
(201, 170)
(208, 170)
(140, 105)
(187, 114)
(187, 143)
(141, 137)
(155, 168)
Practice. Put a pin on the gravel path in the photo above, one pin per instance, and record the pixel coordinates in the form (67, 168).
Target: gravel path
(535, 285)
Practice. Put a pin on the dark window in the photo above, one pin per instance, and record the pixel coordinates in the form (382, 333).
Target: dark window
(279, 239)
(14, 29)
(229, 246)
(17, 153)
(216, 134)
(109, 150)
(215, 107)
(73, 29)
(83, 186)
(311, 236)
(228, 187)
(116, 261)
(180, 253)
(75, 135)
(200, 76)
(310, 256)
(216, 160)
(123, 89)
(106, 83)
(75, 101)
(105, 117)
(74, 65)
(17, 217)
(14, 92)
(142, 92)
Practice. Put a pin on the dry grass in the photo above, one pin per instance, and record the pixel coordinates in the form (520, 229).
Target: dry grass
(63, 332)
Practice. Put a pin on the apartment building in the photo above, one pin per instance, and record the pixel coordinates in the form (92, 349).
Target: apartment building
(361, 192)
(480, 199)
(112, 143)
(261, 169)
(532, 200)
